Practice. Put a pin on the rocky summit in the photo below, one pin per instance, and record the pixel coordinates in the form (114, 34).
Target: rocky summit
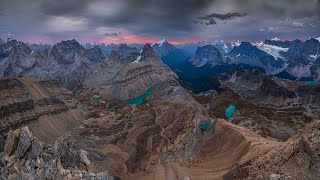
(207, 55)
(25, 157)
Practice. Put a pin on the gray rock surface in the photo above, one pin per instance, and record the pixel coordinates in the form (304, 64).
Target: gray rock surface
(32, 160)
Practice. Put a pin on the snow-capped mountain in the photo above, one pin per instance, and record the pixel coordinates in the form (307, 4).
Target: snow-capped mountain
(170, 54)
(273, 50)
(163, 48)
(160, 43)
(288, 59)
(251, 55)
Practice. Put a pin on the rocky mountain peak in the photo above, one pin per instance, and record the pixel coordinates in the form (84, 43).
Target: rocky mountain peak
(17, 48)
(209, 47)
(163, 42)
(285, 44)
(69, 44)
(125, 50)
(94, 54)
(11, 42)
(65, 51)
(206, 54)
(11, 39)
(123, 46)
(164, 48)
(246, 45)
(148, 51)
(114, 56)
(312, 40)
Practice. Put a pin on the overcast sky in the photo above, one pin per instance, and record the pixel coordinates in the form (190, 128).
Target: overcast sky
(180, 21)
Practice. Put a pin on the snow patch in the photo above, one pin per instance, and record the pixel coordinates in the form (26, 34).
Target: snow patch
(318, 39)
(314, 56)
(275, 39)
(160, 43)
(139, 57)
(271, 49)
(137, 60)
(238, 43)
(238, 55)
(225, 48)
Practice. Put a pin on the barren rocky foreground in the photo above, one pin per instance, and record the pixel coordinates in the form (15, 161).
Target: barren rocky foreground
(73, 136)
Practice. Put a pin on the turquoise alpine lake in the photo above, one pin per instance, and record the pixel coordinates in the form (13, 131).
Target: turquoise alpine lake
(96, 97)
(229, 111)
(205, 126)
(139, 99)
(206, 94)
(313, 83)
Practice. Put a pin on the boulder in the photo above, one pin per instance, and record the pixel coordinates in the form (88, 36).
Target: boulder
(11, 142)
(68, 156)
(25, 140)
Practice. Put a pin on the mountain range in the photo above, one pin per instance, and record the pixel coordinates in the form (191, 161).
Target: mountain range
(286, 59)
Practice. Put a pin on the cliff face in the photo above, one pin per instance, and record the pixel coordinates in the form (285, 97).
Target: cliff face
(39, 103)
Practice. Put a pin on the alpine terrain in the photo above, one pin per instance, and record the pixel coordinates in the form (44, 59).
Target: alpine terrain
(159, 90)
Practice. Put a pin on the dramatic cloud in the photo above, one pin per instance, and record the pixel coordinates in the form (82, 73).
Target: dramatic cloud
(112, 34)
(143, 20)
(229, 16)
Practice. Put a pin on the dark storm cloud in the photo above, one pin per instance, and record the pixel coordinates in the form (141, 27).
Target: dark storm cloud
(61, 7)
(229, 16)
(112, 34)
(163, 17)
(210, 22)
(160, 18)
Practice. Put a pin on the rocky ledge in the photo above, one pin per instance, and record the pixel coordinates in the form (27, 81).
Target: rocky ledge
(23, 156)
